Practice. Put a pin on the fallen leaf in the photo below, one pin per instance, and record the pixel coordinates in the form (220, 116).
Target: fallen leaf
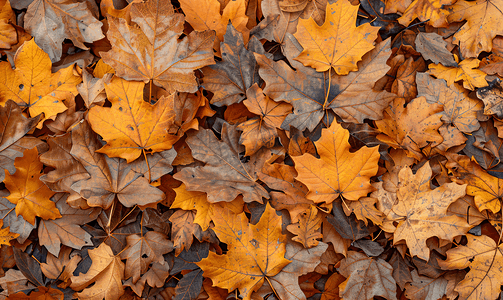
(255, 251)
(336, 172)
(324, 48)
(465, 71)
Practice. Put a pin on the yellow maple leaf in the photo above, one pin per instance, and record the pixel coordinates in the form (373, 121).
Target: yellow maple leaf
(33, 85)
(132, 125)
(255, 251)
(338, 43)
(5, 235)
(465, 71)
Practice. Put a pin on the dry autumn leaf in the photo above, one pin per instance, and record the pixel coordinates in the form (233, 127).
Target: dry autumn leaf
(336, 172)
(151, 50)
(338, 44)
(255, 251)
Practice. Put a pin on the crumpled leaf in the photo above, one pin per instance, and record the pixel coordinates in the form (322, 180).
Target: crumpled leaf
(483, 257)
(255, 251)
(366, 277)
(32, 84)
(412, 127)
(204, 15)
(492, 96)
(337, 172)
(106, 272)
(151, 51)
(422, 212)
(338, 43)
(132, 126)
(31, 196)
(484, 20)
(466, 71)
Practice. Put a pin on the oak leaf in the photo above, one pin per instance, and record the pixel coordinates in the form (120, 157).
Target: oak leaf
(421, 212)
(106, 272)
(338, 43)
(151, 51)
(366, 277)
(255, 251)
(51, 21)
(337, 171)
(132, 126)
(31, 196)
(484, 20)
(466, 71)
(483, 256)
(32, 84)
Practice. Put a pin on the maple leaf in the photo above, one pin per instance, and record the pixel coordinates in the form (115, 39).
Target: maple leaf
(492, 98)
(5, 235)
(255, 251)
(336, 171)
(106, 272)
(261, 132)
(132, 126)
(411, 127)
(151, 51)
(486, 189)
(483, 23)
(337, 44)
(66, 230)
(432, 12)
(307, 230)
(459, 109)
(230, 78)
(421, 211)
(109, 177)
(188, 200)
(433, 47)
(314, 96)
(483, 256)
(8, 36)
(33, 85)
(205, 15)
(222, 166)
(144, 250)
(366, 277)
(31, 196)
(61, 267)
(465, 71)
(51, 21)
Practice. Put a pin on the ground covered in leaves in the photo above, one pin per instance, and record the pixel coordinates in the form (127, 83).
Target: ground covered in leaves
(251, 149)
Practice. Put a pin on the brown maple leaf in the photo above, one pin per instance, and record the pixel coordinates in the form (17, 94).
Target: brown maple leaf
(154, 51)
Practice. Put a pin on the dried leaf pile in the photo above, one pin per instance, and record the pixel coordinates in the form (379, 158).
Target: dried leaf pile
(251, 149)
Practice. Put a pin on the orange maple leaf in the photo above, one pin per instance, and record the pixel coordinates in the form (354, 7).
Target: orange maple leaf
(338, 43)
(31, 196)
(337, 171)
